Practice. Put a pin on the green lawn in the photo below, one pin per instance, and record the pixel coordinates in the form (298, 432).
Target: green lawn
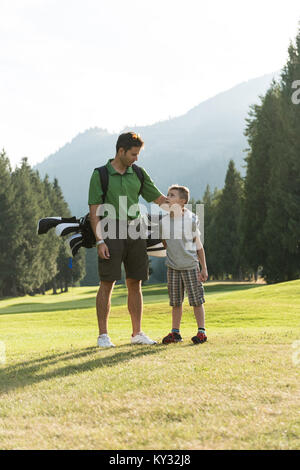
(240, 390)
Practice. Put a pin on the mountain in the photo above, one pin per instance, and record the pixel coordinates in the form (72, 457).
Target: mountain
(193, 149)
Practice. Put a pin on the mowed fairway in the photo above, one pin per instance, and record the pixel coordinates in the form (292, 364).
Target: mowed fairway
(240, 390)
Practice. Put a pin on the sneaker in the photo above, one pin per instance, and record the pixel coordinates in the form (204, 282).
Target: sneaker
(172, 338)
(141, 338)
(199, 338)
(104, 342)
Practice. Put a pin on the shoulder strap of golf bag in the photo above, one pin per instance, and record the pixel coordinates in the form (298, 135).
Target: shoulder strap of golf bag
(104, 175)
(140, 175)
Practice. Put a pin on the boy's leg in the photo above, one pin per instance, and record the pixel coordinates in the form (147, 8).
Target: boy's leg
(175, 287)
(199, 313)
(200, 318)
(174, 336)
(196, 298)
(194, 288)
(176, 317)
(176, 295)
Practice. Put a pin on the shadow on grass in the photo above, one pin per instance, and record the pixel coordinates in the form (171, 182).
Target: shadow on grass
(161, 291)
(49, 307)
(30, 372)
(119, 298)
(222, 288)
(91, 291)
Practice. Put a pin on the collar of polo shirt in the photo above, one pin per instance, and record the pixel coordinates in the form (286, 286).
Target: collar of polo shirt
(112, 171)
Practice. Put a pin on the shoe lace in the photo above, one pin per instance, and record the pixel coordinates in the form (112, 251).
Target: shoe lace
(105, 338)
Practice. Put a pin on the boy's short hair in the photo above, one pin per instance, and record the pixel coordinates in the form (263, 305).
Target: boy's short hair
(184, 192)
(128, 140)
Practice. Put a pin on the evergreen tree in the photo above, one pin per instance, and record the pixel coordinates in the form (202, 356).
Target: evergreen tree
(78, 266)
(271, 208)
(261, 126)
(48, 245)
(91, 277)
(27, 261)
(65, 275)
(7, 221)
(57, 207)
(282, 224)
(228, 218)
(209, 231)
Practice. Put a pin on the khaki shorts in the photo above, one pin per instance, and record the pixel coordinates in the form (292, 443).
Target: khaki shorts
(178, 281)
(133, 253)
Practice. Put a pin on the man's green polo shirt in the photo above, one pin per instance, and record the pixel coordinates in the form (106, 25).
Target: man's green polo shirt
(128, 185)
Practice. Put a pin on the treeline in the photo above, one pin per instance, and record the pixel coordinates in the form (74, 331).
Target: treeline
(31, 263)
(253, 225)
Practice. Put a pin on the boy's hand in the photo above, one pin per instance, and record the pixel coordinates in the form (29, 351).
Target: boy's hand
(202, 275)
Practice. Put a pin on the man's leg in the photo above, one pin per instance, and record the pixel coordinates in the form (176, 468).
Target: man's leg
(103, 302)
(135, 303)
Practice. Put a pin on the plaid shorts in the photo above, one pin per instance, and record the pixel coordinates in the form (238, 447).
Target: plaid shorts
(178, 281)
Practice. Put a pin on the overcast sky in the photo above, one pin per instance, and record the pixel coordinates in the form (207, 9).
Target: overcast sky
(68, 65)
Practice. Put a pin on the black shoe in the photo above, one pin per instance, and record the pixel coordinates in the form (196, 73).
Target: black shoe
(199, 338)
(172, 338)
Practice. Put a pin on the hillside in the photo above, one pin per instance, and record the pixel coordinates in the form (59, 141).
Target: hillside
(193, 149)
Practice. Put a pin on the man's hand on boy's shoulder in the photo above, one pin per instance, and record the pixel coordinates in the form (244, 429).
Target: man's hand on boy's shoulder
(202, 275)
(163, 202)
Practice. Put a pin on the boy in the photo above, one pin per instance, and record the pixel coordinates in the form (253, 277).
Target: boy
(180, 232)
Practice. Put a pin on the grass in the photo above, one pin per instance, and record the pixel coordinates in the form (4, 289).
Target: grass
(240, 390)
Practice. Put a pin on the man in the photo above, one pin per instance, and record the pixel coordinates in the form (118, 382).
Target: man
(112, 251)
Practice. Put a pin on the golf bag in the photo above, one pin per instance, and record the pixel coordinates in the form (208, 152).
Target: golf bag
(82, 234)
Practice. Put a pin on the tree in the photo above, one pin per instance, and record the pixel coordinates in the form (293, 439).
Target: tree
(27, 263)
(227, 224)
(7, 217)
(282, 224)
(65, 275)
(271, 207)
(210, 200)
(261, 126)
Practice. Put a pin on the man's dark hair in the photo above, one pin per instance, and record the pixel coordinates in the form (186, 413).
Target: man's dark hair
(128, 140)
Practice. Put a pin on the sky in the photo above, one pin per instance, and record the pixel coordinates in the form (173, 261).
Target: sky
(69, 65)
